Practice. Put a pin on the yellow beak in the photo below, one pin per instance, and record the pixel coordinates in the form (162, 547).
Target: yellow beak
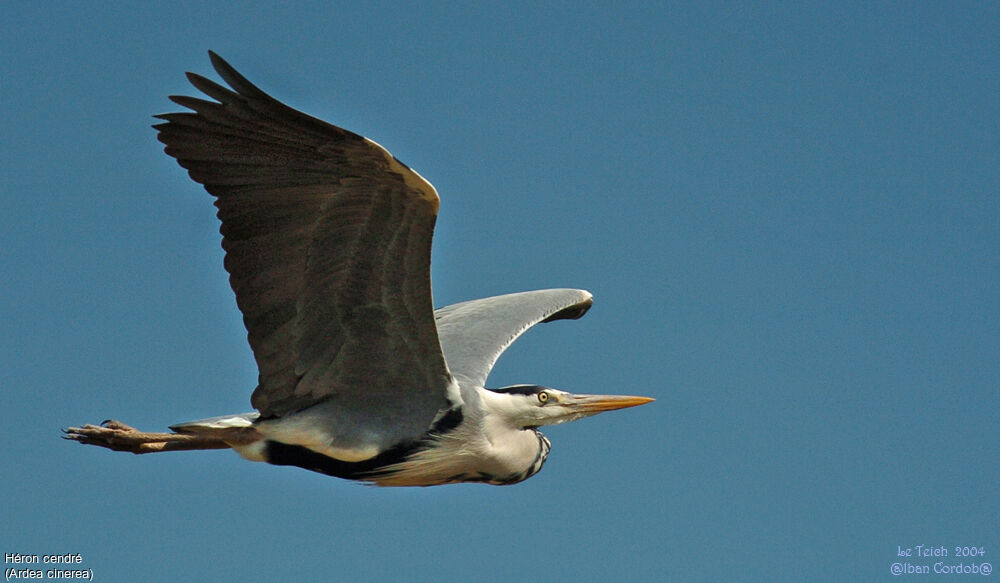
(599, 403)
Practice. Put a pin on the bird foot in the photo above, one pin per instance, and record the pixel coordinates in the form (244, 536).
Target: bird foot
(117, 436)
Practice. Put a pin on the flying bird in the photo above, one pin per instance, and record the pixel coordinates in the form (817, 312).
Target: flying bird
(327, 241)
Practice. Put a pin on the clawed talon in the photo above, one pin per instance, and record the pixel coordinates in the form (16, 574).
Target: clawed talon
(111, 434)
(118, 425)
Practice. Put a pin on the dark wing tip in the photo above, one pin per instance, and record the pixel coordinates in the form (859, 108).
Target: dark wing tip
(234, 79)
(573, 312)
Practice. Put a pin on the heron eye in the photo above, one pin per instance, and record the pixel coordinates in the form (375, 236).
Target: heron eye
(543, 397)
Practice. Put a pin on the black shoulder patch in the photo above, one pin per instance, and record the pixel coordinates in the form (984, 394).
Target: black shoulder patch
(283, 454)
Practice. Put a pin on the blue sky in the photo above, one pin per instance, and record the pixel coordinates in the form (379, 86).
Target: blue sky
(789, 215)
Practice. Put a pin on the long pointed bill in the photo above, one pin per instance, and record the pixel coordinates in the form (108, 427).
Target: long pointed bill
(590, 404)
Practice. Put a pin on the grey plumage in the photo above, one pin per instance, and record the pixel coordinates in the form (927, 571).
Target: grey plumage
(327, 239)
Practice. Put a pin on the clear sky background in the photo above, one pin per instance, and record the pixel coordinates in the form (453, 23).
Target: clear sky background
(789, 216)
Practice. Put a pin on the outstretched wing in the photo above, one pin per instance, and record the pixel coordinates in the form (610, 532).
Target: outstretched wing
(327, 239)
(474, 334)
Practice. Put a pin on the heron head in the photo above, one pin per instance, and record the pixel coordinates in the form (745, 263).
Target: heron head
(534, 405)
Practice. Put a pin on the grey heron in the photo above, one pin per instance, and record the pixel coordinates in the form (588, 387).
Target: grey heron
(327, 242)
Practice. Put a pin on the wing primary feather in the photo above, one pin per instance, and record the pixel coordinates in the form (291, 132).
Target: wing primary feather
(236, 80)
(574, 312)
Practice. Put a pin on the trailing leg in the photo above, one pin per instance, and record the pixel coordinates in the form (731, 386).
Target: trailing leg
(117, 436)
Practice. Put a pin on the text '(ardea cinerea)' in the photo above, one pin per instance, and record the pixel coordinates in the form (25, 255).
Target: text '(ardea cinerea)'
(327, 239)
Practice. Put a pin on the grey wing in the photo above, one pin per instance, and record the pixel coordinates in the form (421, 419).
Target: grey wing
(475, 333)
(327, 239)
